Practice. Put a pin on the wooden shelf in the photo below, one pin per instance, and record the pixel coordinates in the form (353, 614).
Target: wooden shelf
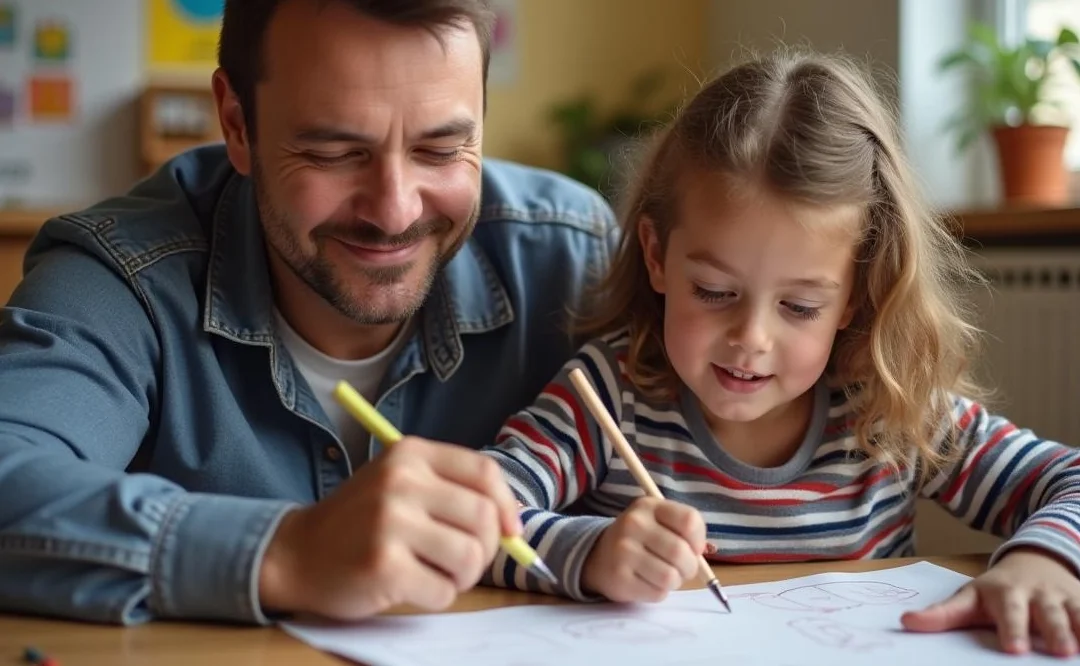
(25, 221)
(1017, 222)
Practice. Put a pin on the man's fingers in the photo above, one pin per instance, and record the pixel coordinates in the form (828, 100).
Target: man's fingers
(958, 611)
(473, 470)
(456, 551)
(423, 584)
(466, 510)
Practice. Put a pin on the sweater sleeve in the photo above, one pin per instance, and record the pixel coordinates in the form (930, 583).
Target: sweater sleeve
(553, 453)
(1007, 481)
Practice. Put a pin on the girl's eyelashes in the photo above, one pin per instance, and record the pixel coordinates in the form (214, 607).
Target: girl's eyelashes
(806, 312)
(709, 296)
(713, 297)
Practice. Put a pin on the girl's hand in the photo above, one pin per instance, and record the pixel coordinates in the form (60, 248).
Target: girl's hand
(651, 549)
(1028, 587)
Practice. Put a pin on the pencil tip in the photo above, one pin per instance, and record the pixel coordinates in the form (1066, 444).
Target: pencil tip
(718, 592)
(544, 572)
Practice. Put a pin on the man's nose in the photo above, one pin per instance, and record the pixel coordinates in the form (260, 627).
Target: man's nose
(392, 202)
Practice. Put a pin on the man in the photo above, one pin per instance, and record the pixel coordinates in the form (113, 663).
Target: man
(168, 444)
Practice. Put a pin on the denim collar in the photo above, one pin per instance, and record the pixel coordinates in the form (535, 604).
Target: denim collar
(467, 296)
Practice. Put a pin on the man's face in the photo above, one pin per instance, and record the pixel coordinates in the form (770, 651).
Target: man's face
(366, 155)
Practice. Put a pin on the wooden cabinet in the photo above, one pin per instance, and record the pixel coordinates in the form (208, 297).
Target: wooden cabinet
(175, 115)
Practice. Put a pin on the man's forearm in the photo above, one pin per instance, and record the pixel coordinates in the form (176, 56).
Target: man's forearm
(83, 541)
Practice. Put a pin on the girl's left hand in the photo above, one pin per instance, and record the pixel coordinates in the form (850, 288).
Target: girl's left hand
(1028, 587)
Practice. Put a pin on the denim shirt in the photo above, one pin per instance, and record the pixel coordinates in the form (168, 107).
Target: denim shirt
(153, 427)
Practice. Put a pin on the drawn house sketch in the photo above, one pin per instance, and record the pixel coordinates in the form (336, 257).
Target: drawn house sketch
(624, 630)
(834, 634)
(831, 597)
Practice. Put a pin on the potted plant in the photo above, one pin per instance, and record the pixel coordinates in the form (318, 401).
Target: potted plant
(597, 146)
(1010, 101)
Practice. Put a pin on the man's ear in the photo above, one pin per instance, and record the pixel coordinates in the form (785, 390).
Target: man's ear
(233, 127)
(653, 252)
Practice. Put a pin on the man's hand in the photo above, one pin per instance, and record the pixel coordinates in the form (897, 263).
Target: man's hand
(416, 526)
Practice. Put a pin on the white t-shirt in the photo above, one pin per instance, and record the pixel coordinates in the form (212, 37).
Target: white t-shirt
(323, 372)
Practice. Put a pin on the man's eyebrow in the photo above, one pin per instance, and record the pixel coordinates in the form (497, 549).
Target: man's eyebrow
(461, 128)
(332, 135)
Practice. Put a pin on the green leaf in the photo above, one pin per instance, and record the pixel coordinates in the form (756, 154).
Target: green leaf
(1076, 65)
(955, 59)
(985, 35)
(1067, 36)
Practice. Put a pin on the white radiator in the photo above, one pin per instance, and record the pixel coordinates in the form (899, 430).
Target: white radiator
(1031, 351)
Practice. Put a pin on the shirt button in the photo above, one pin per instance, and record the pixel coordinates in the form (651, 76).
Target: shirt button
(333, 453)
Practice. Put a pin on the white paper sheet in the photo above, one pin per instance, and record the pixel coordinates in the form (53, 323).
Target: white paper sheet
(830, 619)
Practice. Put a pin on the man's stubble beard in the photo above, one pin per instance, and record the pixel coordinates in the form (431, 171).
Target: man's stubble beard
(317, 272)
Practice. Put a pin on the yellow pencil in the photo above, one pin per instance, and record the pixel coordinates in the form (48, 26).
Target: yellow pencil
(384, 431)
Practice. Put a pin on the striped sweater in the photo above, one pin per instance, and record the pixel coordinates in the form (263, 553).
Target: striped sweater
(830, 501)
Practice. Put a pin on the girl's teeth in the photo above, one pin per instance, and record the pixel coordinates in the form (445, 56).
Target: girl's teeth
(741, 375)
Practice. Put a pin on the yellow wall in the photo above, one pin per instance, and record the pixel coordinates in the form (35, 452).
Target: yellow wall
(568, 47)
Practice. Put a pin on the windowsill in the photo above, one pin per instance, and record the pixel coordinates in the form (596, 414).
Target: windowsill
(1023, 225)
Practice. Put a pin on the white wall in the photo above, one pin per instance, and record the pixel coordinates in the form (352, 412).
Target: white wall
(928, 99)
(51, 164)
(859, 27)
(903, 39)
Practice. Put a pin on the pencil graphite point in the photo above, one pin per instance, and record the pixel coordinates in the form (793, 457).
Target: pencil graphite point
(718, 592)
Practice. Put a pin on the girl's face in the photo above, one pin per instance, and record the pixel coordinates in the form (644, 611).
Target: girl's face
(755, 290)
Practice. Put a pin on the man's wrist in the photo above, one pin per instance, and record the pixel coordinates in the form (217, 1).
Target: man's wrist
(278, 569)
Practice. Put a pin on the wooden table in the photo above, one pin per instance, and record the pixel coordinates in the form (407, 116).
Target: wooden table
(183, 644)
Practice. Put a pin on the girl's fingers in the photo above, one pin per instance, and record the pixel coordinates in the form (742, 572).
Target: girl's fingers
(957, 612)
(1054, 625)
(1010, 612)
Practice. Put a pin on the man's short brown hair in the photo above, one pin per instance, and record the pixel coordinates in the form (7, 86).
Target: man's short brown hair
(244, 24)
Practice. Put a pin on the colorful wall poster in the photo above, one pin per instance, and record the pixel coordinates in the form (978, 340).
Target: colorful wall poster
(52, 98)
(7, 105)
(7, 26)
(503, 68)
(52, 40)
(182, 33)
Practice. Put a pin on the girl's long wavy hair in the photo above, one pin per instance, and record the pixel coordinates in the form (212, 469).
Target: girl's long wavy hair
(813, 129)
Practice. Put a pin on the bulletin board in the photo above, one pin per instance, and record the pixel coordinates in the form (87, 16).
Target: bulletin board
(69, 72)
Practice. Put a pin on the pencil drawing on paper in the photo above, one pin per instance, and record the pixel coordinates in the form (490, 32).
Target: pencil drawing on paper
(478, 648)
(830, 597)
(733, 660)
(834, 634)
(624, 630)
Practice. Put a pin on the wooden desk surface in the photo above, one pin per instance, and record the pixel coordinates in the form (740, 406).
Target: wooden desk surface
(182, 644)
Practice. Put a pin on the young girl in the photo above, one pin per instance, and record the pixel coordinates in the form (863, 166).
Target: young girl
(783, 340)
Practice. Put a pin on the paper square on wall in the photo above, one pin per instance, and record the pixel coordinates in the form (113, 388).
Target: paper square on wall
(7, 105)
(52, 98)
(503, 67)
(52, 40)
(7, 26)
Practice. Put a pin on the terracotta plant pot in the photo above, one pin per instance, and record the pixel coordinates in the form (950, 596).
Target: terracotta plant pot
(1031, 159)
